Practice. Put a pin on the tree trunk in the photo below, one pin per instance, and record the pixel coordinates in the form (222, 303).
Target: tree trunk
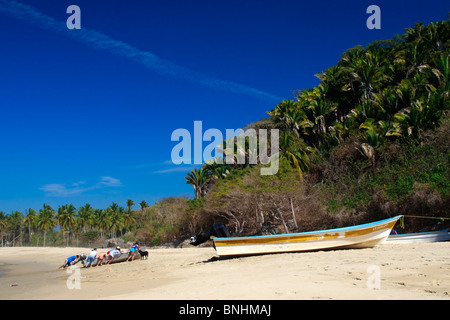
(293, 215)
(281, 218)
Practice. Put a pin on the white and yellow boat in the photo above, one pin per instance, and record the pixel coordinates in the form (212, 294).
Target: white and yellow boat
(360, 236)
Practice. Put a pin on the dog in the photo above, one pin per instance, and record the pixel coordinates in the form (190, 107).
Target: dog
(144, 254)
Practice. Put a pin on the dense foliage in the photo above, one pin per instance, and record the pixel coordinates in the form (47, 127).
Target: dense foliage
(360, 143)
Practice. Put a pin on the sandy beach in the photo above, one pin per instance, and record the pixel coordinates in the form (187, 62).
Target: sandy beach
(389, 271)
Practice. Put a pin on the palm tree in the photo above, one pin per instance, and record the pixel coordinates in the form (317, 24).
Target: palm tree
(199, 179)
(46, 220)
(337, 133)
(102, 219)
(369, 72)
(437, 34)
(320, 107)
(117, 217)
(289, 113)
(130, 204)
(15, 224)
(296, 151)
(217, 168)
(128, 219)
(423, 114)
(338, 81)
(3, 223)
(143, 205)
(114, 207)
(30, 221)
(412, 57)
(416, 33)
(442, 72)
(84, 216)
(114, 217)
(66, 219)
(221, 171)
(318, 110)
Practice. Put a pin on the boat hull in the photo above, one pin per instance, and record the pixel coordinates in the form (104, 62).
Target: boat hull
(433, 236)
(361, 236)
(123, 257)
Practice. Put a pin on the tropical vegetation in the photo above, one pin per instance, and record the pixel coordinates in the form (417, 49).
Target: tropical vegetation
(67, 224)
(351, 141)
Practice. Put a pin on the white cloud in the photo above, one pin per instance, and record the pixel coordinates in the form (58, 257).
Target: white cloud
(178, 169)
(149, 60)
(79, 183)
(109, 182)
(61, 190)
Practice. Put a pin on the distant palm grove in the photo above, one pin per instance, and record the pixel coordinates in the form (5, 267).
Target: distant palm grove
(39, 227)
(369, 142)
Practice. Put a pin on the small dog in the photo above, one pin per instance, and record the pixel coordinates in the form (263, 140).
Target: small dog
(144, 254)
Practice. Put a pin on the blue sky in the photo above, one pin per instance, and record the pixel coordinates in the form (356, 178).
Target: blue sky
(87, 115)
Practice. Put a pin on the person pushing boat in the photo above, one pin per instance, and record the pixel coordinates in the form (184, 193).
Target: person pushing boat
(114, 253)
(100, 257)
(91, 258)
(72, 260)
(133, 249)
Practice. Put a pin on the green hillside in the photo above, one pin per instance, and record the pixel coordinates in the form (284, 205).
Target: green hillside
(369, 142)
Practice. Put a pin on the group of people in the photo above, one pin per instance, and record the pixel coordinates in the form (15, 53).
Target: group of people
(101, 257)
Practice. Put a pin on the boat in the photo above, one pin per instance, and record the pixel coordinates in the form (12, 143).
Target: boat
(123, 257)
(359, 236)
(432, 236)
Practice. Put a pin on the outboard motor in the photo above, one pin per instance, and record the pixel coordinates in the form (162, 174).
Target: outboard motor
(216, 230)
(220, 230)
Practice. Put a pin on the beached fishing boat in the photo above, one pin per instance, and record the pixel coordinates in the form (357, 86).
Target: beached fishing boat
(360, 236)
(123, 257)
(433, 236)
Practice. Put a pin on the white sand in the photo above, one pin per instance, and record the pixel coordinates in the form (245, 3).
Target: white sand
(400, 271)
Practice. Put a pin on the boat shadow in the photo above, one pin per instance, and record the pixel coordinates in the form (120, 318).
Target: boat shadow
(233, 257)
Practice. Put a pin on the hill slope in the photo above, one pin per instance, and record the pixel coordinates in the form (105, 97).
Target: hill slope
(369, 142)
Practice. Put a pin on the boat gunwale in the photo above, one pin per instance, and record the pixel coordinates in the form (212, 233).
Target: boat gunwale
(290, 235)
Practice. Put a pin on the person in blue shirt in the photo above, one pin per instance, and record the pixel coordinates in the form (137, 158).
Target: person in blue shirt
(69, 261)
(133, 249)
(72, 260)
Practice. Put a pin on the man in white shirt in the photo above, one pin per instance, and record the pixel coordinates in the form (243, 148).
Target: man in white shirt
(91, 257)
(114, 253)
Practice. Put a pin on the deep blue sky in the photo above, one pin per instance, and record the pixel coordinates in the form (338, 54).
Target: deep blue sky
(87, 124)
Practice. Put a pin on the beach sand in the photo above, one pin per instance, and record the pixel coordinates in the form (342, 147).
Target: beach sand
(389, 271)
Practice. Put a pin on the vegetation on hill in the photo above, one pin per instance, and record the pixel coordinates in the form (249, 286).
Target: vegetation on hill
(360, 146)
(369, 142)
